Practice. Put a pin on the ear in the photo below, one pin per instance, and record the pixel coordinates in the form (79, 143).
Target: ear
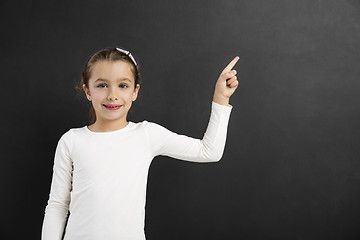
(87, 92)
(136, 91)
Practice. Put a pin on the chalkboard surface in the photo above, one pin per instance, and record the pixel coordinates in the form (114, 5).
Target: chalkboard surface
(291, 166)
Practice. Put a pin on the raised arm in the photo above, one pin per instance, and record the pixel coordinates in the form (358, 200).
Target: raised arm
(56, 211)
(211, 147)
(208, 149)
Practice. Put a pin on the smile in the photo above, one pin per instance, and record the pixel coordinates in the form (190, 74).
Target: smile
(112, 106)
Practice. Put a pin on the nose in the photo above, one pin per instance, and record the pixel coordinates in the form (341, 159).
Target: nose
(112, 94)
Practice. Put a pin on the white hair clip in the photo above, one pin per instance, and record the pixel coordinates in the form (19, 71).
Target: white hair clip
(127, 53)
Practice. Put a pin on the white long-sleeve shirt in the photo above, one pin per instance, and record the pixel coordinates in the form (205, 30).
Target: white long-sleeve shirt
(101, 177)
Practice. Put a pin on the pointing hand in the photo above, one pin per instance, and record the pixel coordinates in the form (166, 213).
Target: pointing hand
(226, 84)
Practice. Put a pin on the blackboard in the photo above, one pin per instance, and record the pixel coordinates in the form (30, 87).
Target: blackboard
(290, 169)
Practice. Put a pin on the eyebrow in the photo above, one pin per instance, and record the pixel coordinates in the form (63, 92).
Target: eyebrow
(105, 80)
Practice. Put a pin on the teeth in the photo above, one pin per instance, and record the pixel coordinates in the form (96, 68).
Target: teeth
(110, 106)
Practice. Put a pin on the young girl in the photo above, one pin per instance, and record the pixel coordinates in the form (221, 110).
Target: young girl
(100, 171)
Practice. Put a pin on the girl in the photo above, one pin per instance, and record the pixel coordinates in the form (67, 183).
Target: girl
(100, 171)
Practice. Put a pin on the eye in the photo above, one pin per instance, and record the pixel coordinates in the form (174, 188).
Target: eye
(102, 85)
(123, 86)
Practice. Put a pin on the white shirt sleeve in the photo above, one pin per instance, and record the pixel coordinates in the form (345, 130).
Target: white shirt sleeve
(56, 211)
(209, 149)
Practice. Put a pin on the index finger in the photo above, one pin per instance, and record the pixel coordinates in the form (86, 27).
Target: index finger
(230, 65)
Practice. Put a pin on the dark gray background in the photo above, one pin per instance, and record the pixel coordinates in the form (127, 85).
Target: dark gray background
(291, 166)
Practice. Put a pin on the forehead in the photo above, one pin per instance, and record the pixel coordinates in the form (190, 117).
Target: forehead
(111, 71)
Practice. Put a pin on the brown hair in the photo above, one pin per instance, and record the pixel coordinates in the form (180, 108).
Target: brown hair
(110, 55)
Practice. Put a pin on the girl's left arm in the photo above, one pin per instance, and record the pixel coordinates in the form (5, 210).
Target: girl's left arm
(210, 148)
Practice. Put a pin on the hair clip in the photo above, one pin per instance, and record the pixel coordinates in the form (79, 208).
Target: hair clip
(127, 53)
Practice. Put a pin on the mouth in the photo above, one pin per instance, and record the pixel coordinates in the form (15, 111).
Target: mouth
(112, 106)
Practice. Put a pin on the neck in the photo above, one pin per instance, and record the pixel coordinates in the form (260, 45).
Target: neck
(108, 125)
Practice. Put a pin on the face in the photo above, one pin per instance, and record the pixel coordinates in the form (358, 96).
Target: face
(111, 90)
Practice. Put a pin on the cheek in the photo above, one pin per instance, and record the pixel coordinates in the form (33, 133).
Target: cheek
(128, 96)
(96, 97)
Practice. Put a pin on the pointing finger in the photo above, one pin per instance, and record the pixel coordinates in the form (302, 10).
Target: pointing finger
(230, 65)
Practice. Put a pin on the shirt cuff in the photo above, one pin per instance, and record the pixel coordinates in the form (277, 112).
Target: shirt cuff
(221, 107)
